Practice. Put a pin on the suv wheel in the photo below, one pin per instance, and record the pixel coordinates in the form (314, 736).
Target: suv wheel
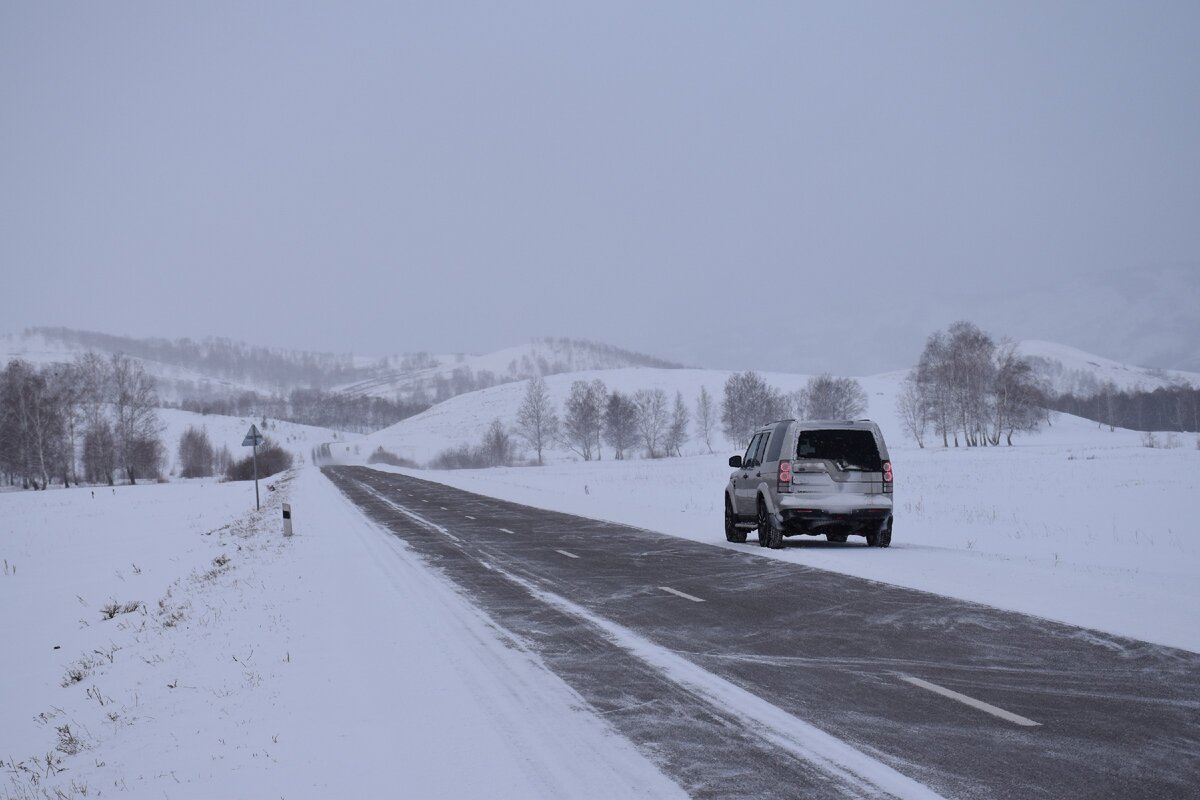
(880, 538)
(769, 535)
(732, 532)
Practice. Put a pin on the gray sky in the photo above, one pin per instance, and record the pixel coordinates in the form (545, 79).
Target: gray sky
(771, 185)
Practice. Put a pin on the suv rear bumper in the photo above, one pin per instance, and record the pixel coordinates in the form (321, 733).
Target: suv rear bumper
(842, 520)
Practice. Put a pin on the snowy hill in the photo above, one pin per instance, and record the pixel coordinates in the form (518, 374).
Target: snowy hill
(220, 368)
(184, 368)
(174, 382)
(1070, 370)
(463, 419)
(438, 377)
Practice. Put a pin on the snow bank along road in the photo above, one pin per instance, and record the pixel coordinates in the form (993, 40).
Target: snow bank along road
(745, 676)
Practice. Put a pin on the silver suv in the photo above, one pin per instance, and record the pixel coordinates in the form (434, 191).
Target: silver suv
(831, 478)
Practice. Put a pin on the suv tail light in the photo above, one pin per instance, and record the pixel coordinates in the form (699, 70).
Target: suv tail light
(785, 476)
(887, 477)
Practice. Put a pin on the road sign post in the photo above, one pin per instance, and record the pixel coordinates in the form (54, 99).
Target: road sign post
(254, 439)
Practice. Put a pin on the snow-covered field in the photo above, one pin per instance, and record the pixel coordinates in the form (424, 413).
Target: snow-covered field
(1076, 523)
(240, 664)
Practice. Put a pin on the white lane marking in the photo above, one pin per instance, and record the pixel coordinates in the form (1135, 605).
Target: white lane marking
(423, 500)
(468, 516)
(565, 553)
(443, 508)
(684, 595)
(504, 530)
(970, 701)
(411, 514)
(863, 774)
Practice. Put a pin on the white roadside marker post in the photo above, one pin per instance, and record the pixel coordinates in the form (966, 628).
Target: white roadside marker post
(287, 519)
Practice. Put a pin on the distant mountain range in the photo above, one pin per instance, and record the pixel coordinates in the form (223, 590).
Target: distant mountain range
(221, 368)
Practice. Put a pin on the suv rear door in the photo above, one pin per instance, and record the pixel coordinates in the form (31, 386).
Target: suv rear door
(837, 460)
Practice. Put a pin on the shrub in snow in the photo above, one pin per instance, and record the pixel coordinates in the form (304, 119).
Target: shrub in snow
(271, 459)
(381, 456)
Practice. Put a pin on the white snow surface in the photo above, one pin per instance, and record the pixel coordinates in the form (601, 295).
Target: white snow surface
(331, 664)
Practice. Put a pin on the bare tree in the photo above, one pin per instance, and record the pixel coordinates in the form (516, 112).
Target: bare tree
(620, 423)
(748, 403)
(196, 456)
(537, 422)
(33, 425)
(497, 447)
(582, 419)
(704, 417)
(599, 398)
(136, 425)
(934, 376)
(912, 409)
(972, 356)
(677, 431)
(651, 418)
(1017, 395)
(827, 397)
(967, 387)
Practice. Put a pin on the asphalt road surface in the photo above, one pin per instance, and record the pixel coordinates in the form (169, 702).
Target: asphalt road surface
(746, 676)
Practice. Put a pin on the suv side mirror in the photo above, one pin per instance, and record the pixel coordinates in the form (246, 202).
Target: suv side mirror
(735, 462)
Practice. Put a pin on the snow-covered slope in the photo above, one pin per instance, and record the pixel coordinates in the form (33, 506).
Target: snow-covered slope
(331, 664)
(1068, 369)
(465, 418)
(440, 376)
(173, 382)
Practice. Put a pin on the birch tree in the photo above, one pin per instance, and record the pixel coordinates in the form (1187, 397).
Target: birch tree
(537, 421)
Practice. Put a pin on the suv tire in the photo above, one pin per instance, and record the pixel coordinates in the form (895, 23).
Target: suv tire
(769, 535)
(732, 532)
(881, 538)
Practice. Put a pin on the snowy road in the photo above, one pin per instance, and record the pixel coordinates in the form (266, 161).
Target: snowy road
(744, 676)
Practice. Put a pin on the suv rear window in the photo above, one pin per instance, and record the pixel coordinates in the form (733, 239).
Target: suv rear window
(855, 448)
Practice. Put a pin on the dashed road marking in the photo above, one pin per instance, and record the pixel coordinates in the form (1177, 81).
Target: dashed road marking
(468, 516)
(565, 553)
(443, 508)
(684, 595)
(504, 530)
(970, 701)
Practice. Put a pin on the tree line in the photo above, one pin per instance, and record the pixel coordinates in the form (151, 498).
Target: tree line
(1174, 408)
(198, 458)
(354, 413)
(92, 420)
(650, 422)
(222, 357)
(969, 389)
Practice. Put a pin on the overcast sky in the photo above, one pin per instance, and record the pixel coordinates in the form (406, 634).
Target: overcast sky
(782, 186)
